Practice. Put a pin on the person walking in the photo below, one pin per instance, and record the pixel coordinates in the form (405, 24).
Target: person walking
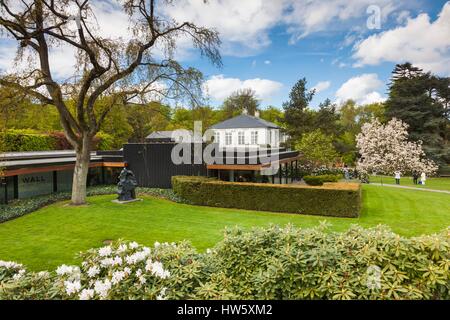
(423, 178)
(346, 172)
(397, 175)
(415, 176)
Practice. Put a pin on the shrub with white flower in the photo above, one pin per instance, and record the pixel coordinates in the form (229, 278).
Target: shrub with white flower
(386, 149)
(117, 271)
(264, 263)
(11, 270)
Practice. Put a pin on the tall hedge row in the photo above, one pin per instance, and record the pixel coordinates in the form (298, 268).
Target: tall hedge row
(339, 200)
(26, 140)
(29, 140)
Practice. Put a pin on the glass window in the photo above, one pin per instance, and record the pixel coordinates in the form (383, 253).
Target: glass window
(64, 180)
(228, 138)
(241, 137)
(254, 137)
(35, 184)
(217, 137)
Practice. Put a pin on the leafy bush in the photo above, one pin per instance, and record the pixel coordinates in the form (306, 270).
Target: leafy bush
(341, 200)
(30, 140)
(61, 142)
(271, 263)
(21, 207)
(103, 141)
(319, 180)
(313, 180)
(26, 140)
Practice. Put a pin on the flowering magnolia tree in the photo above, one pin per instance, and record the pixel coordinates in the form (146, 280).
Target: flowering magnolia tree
(386, 148)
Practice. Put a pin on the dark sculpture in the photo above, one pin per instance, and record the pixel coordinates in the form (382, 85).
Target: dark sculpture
(126, 186)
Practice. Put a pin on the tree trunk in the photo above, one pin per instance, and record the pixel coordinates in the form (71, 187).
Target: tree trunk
(80, 172)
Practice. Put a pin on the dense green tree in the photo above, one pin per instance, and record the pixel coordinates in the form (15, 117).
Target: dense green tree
(297, 118)
(272, 114)
(244, 99)
(106, 66)
(144, 119)
(317, 148)
(421, 100)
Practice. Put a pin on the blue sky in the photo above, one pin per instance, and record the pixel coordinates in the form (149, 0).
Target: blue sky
(323, 55)
(269, 45)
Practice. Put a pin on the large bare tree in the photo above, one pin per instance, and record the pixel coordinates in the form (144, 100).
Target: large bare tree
(116, 70)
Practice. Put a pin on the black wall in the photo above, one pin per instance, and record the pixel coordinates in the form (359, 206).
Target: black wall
(152, 165)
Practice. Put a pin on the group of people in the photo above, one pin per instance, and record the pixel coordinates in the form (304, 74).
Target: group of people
(415, 175)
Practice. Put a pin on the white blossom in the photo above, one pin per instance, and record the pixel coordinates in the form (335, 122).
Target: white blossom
(142, 280)
(105, 251)
(102, 288)
(67, 270)
(162, 294)
(157, 244)
(385, 149)
(122, 248)
(72, 287)
(157, 269)
(93, 271)
(10, 265)
(134, 245)
(137, 257)
(19, 274)
(86, 294)
(117, 276)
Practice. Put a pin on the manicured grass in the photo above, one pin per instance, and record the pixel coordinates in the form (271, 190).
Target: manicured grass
(430, 183)
(53, 235)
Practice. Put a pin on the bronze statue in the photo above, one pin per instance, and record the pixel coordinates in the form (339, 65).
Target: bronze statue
(126, 186)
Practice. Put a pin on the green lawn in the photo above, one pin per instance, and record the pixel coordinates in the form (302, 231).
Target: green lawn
(431, 183)
(53, 235)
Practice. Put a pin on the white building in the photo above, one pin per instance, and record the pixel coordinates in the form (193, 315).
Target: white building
(247, 131)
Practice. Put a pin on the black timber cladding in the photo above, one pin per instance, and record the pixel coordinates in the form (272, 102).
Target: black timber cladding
(153, 167)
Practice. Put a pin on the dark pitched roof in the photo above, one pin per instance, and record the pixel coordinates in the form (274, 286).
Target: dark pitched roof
(244, 121)
(160, 135)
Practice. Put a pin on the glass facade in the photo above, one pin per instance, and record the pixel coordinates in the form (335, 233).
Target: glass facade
(64, 180)
(34, 184)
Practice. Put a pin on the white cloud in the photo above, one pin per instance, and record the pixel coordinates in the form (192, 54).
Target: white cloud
(243, 25)
(321, 86)
(362, 89)
(267, 62)
(218, 87)
(306, 17)
(420, 41)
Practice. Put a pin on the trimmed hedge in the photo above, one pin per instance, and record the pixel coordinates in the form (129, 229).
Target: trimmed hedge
(21, 207)
(338, 200)
(319, 180)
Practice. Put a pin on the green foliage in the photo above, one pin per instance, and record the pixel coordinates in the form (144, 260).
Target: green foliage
(296, 116)
(313, 180)
(26, 140)
(343, 200)
(321, 179)
(239, 101)
(264, 263)
(103, 141)
(421, 100)
(317, 148)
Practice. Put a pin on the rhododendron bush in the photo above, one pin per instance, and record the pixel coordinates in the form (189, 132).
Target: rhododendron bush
(271, 263)
(385, 149)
